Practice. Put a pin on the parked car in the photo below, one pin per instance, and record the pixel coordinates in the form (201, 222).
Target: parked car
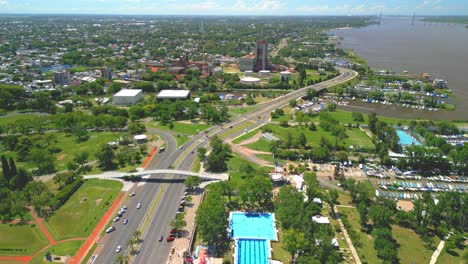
(138, 206)
(160, 238)
(110, 229)
(132, 194)
(118, 249)
(170, 238)
(116, 219)
(125, 221)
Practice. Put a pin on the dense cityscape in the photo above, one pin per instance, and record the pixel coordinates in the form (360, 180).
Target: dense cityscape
(224, 139)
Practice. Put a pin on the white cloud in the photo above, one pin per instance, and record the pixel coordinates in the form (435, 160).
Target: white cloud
(3, 2)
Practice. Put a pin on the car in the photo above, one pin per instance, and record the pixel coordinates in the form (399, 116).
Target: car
(182, 198)
(160, 238)
(118, 249)
(124, 208)
(117, 218)
(181, 147)
(172, 231)
(120, 214)
(138, 205)
(132, 194)
(162, 149)
(170, 238)
(110, 229)
(125, 221)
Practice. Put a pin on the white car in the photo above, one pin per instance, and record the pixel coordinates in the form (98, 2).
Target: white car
(138, 206)
(132, 194)
(125, 221)
(118, 249)
(116, 219)
(110, 229)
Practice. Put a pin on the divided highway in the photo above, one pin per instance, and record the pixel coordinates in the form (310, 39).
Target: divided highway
(160, 195)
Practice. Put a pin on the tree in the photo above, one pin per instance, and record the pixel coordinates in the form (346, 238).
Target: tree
(292, 103)
(105, 157)
(372, 122)
(342, 156)
(178, 223)
(220, 153)
(5, 168)
(211, 219)
(380, 215)
(19, 181)
(13, 170)
(302, 141)
(357, 117)
(332, 199)
(201, 153)
(81, 158)
(23, 147)
(293, 240)
(288, 203)
(43, 160)
(192, 182)
(136, 128)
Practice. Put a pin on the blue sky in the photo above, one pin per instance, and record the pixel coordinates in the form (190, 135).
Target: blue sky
(238, 7)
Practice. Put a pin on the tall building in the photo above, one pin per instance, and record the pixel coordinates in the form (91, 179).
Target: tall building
(261, 56)
(106, 73)
(62, 77)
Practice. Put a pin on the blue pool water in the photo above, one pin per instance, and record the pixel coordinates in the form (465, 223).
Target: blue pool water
(406, 139)
(252, 251)
(252, 225)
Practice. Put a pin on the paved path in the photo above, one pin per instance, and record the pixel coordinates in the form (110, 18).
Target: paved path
(438, 250)
(357, 260)
(40, 224)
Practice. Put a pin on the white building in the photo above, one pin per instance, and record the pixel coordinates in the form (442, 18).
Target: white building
(127, 96)
(320, 219)
(173, 94)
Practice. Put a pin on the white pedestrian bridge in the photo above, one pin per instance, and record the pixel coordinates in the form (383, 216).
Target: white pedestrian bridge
(117, 175)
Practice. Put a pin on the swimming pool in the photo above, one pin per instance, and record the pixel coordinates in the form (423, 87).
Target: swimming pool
(406, 139)
(252, 225)
(252, 251)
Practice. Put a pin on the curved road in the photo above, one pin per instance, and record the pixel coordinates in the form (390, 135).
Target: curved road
(160, 199)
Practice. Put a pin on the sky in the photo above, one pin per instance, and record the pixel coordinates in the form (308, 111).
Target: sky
(238, 7)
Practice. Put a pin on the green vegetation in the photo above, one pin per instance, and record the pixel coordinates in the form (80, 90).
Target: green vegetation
(364, 243)
(68, 248)
(279, 253)
(78, 217)
(181, 127)
(236, 128)
(412, 248)
(21, 239)
(243, 110)
(245, 136)
(181, 139)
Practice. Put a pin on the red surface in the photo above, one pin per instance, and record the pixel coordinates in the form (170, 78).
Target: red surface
(148, 159)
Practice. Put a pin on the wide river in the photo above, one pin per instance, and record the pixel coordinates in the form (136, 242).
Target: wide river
(440, 49)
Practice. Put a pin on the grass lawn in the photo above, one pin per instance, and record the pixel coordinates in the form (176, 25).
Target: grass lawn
(245, 136)
(68, 248)
(366, 249)
(234, 164)
(278, 252)
(69, 147)
(182, 127)
(77, 218)
(358, 138)
(236, 128)
(21, 239)
(181, 139)
(260, 145)
(6, 120)
(267, 157)
(412, 249)
(459, 256)
(283, 118)
(196, 165)
(242, 110)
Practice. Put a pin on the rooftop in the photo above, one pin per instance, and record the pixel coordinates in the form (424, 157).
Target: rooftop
(173, 94)
(321, 219)
(128, 92)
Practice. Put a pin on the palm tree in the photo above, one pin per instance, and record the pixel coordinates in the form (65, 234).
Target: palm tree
(121, 259)
(137, 235)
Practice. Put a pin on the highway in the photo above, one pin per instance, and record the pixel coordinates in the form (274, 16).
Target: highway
(160, 195)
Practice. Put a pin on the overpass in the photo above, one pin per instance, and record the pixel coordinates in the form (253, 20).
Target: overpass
(117, 175)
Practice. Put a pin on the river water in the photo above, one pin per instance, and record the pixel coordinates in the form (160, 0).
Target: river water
(440, 49)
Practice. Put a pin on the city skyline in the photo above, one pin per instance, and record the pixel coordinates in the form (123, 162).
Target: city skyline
(236, 7)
